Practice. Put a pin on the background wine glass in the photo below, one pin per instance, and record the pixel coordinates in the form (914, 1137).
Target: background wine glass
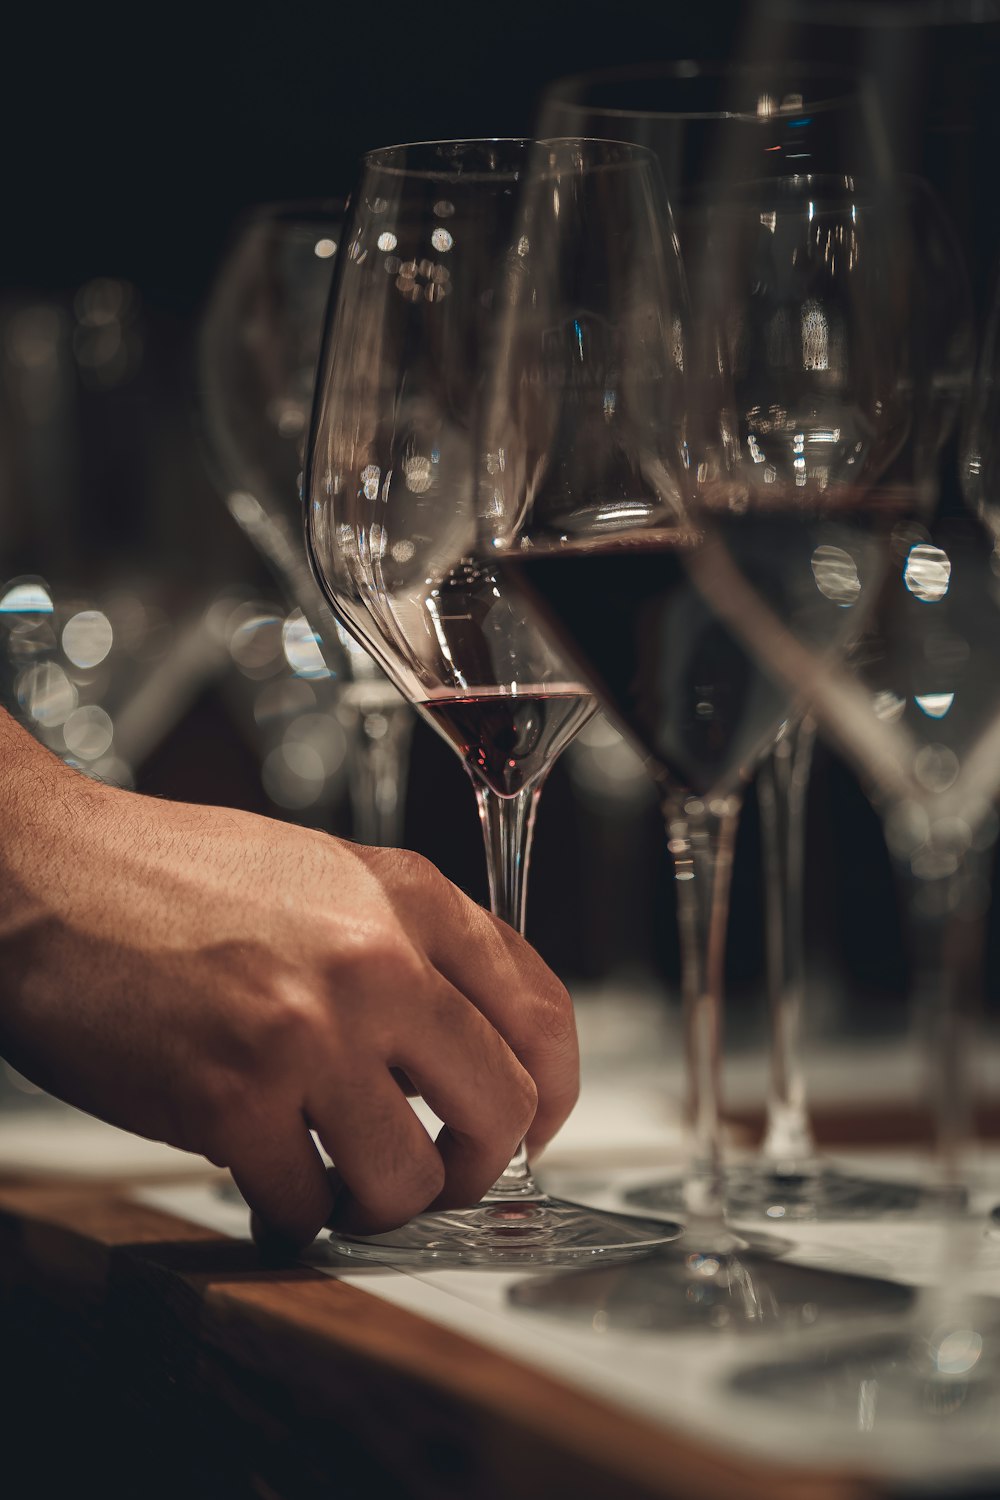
(712, 124)
(933, 369)
(980, 449)
(917, 708)
(259, 347)
(603, 523)
(395, 476)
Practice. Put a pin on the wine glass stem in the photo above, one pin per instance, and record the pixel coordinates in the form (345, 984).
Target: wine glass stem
(508, 825)
(944, 954)
(945, 918)
(701, 842)
(782, 781)
(378, 764)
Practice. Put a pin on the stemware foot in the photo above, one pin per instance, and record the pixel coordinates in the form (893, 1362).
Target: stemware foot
(759, 1189)
(502, 1232)
(948, 1377)
(680, 1290)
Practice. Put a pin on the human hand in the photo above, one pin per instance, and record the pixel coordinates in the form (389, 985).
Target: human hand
(224, 982)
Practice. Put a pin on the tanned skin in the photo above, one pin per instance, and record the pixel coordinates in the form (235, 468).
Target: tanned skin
(225, 983)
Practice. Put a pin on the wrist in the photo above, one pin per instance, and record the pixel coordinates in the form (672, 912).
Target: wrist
(46, 810)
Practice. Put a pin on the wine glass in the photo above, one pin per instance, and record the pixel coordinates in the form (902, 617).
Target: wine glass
(711, 123)
(933, 371)
(624, 451)
(917, 709)
(940, 359)
(396, 473)
(259, 347)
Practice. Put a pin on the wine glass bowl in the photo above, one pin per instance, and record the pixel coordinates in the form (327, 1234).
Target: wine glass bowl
(711, 122)
(392, 526)
(814, 359)
(258, 352)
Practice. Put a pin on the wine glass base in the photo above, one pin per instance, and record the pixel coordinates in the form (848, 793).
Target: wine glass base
(510, 1232)
(888, 1379)
(756, 1190)
(678, 1291)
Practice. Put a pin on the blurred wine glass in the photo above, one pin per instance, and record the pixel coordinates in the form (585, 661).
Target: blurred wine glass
(917, 709)
(623, 451)
(713, 124)
(709, 123)
(932, 312)
(103, 642)
(980, 448)
(396, 474)
(259, 347)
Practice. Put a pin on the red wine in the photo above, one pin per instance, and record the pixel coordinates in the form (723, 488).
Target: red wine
(510, 739)
(677, 679)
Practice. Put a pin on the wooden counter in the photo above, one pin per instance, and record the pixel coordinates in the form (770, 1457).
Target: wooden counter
(144, 1356)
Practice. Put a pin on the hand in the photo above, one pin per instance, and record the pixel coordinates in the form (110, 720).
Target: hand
(224, 983)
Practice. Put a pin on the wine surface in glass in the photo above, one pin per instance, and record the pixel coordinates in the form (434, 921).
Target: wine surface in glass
(674, 674)
(508, 739)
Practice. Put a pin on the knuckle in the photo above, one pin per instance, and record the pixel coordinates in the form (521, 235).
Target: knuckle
(284, 1024)
(419, 1180)
(268, 1014)
(555, 1019)
(382, 956)
(528, 1100)
(524, 1100)
(495, 941)
(406, 1189)
(408, 870)
(420, 871)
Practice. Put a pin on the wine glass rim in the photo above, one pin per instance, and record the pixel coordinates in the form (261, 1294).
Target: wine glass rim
(561, 93)
(381, 158)
(636, 153)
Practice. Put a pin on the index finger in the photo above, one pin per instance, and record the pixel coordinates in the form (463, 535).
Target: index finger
(505, 979)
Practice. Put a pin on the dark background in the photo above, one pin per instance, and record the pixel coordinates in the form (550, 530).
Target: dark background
(132, 140)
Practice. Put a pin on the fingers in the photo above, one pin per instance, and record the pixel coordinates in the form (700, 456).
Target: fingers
(517, 992)
(389, 1166)
(472, 1081)
(501, 975)
(281, 1176)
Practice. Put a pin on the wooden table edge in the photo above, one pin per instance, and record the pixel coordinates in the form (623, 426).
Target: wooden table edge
(73, 1237)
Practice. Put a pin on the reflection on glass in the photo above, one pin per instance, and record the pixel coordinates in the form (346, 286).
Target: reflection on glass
(260, 344)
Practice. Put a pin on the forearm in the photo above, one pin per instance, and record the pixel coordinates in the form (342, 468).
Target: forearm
(45, 809)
